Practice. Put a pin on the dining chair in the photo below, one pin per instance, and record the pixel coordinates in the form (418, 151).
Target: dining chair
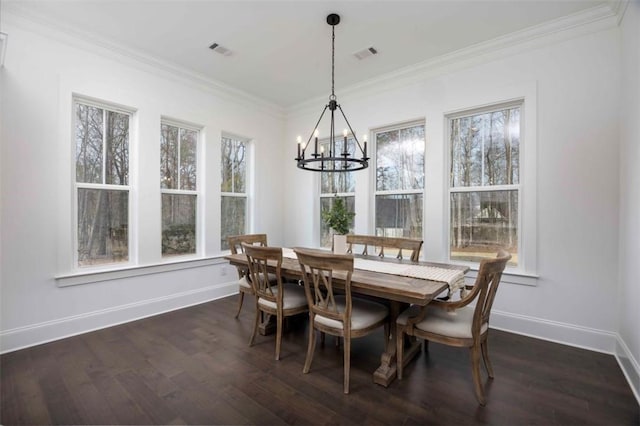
(235, 245)
(340, 315)
(378, 245)
(455, 323)
(272, 297)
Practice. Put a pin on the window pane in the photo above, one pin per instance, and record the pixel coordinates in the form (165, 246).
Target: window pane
(399, 215)
(102, 226)
(188, 162)
(400, 159)
(485, 148)
(233, 166)
(234, 218)
(117, 143)
(89, 125)
(325, 204)
(178, 224)
(331, 183)
(483, 222)
(168, 157)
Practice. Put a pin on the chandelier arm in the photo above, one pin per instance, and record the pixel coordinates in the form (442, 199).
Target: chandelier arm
(352, 132)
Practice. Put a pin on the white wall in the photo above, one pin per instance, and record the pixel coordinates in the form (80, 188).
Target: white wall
(629, 345)
(37, 84)
(572, 81)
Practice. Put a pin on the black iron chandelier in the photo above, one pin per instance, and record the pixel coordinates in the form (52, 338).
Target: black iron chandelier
(332, 161)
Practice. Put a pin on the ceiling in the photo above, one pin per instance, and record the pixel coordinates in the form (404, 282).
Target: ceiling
(281, 50)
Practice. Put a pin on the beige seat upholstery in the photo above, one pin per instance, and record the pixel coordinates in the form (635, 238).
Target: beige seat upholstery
(375, 245)
(272, 297)
(455, 323)
(235, 245)
(338, 315)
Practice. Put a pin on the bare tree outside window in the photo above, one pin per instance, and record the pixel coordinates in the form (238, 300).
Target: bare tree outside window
(336, 184)
(102, 179)
(178, 172)
(484, 183)
(234, 196)
(399, 181)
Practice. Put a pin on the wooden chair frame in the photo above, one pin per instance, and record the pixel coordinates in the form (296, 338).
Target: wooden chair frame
(409, 244)
(235, 245)
(483, 292)
(319, 270)
(260, 260)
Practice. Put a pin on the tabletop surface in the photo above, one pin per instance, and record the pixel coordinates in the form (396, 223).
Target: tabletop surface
(388, 286)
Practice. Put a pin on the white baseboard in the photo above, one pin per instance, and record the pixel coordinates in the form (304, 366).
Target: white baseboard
(24, 337)
(554, 331)
(629, 365)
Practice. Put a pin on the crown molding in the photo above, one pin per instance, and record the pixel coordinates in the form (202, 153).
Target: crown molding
(619, 7)
(552, 32)
(13, 14)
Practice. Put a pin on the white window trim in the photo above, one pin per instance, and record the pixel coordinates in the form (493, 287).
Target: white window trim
(374, 184)
(131, 247)
(180, 124)
(526, 95)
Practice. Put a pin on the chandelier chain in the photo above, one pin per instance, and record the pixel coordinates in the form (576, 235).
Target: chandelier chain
(333, 60)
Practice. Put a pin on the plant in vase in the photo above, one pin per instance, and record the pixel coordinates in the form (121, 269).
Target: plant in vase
(338, 218)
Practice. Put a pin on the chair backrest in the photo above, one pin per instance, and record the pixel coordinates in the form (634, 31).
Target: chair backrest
(235, 241)
(259, 259)
(319, 268)
(378, 245)
(485, 288)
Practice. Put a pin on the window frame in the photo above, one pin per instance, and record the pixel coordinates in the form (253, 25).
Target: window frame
(519, 187)
(76, 186)
(183, 125)
(248, 187)
(374, 179)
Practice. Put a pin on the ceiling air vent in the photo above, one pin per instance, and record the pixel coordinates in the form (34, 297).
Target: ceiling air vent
(365, 53)
(219, 49)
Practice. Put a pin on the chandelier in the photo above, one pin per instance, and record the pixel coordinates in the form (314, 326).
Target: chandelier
(336, 160)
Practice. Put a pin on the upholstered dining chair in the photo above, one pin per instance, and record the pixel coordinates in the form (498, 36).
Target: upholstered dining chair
(235, 245)
(274, 298)
(339, 315)
(455, 323)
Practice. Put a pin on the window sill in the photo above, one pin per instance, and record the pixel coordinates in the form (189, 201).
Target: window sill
(511, 277)
(94, 276)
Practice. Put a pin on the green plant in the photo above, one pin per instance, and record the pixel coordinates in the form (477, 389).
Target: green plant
(338, 217)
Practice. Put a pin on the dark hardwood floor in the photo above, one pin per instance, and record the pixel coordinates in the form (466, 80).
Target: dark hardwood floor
(195, 366)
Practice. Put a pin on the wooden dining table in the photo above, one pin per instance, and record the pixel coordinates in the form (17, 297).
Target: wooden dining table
(400, 291)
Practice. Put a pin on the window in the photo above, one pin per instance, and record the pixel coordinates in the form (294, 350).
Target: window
(101, 184)
(484, 193)
(234, 198)
(399, 180)
(178, 175)
(336, 185)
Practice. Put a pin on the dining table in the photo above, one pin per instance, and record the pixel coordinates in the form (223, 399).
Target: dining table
(399, 282)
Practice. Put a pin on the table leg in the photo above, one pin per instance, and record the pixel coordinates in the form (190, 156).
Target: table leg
(386, 372)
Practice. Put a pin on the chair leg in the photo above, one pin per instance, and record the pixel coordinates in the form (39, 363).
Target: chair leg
(399, 351)
(240, 299)
(278, 336)
(255, 325)
(322, 337)
(485, 358)
(475, 369)
(347, 362)
(310, 348)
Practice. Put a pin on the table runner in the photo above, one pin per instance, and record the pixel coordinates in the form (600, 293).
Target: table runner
(452, 277)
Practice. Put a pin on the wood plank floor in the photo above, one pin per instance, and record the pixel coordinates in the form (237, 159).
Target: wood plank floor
(194, 366)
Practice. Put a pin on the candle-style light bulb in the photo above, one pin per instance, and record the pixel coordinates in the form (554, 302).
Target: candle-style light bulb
(316, 133)
(345, 133)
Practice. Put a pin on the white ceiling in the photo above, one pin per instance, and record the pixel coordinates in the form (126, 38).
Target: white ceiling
(282, 49)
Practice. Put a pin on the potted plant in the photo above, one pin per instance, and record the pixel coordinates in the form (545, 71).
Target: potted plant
(338, 218)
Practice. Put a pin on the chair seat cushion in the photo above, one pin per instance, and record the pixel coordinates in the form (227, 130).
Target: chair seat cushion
(293, 297)
(364, 313)
(242, 282)
(445, 323)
